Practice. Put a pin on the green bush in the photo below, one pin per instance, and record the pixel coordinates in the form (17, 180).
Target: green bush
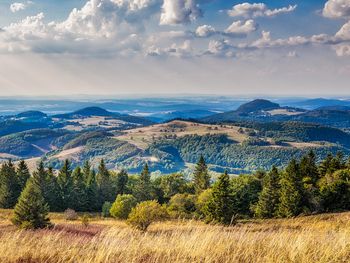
(105, 209)
(202, 202)
(122, 206)
(182, 205)
(145, 213)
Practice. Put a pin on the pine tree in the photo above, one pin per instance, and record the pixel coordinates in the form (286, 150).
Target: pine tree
(291, 197)
(80, 200)
(269, 196)
(9, 186)
(47, 183)
(92, 192)
(220, 207)
(65, 182)
(104, 184)
(31, 210)
(201, 177)
(121, 182)
(23, 174)
(143, 188)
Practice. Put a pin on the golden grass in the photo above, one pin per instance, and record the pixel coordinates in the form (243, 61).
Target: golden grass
(322, 238)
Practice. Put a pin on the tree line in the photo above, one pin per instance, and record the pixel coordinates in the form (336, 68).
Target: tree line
(303, 187)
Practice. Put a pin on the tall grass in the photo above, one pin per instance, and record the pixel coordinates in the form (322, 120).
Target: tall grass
(323, 238)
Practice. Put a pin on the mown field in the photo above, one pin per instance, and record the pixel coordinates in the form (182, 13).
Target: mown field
(320, 238)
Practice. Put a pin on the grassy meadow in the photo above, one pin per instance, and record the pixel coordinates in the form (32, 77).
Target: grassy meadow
(320, 238)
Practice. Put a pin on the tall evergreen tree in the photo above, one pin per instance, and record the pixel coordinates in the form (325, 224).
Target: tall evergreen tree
(104, 184)
(291, 197)
(269, 196)
(121, 182)
(31, 210)
(23, 174)
(220, 207)
(92, 192)
(47, 183)
(143, 188)
(65, 182)
(80, 199)
(9, 186)
(201, 177)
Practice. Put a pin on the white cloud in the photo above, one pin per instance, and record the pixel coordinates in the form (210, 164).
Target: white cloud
(258, 10)
(15, 7)
(179, 12)
(342, 50)
(205, 31)
(337, 9)
(241, 28)
(344, 32)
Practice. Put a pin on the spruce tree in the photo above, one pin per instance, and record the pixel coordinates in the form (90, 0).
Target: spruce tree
(23, 174)
(80, 200)
(121, 182)
(201, 177)
(31, 211)
(143, 188)
(92, 192)
(47, 183)
(104, 184)
(65, 182)
(269, 196)
(9, 186)
(220, 207)
(291, 191)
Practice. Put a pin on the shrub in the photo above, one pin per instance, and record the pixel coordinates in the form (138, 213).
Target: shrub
(122, 206)
(182, 205)
(105, 209)
(70, 214)
(202, 201)
(145, 213)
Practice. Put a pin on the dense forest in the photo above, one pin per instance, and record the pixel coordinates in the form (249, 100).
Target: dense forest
(305, 186)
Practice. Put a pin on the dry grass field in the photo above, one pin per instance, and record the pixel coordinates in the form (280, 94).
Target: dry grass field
(322, 238)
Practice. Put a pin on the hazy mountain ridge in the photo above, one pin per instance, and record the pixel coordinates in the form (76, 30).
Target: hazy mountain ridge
(257, 128)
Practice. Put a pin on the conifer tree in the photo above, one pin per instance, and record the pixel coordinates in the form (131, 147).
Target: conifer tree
(220, 207)
(80, 200)
(31, 210)
(121, 182)
(23, 174)
(104, 184)
(269, 196)
(65, 182)
(201, 177)
(291, 191)
(143, 188)
(47, 183)
(9, 186)
(92, 192)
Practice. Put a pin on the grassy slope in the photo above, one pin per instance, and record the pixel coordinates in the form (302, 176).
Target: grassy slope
(321, 238)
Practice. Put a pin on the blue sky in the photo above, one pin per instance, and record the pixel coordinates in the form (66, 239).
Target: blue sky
(117, 47)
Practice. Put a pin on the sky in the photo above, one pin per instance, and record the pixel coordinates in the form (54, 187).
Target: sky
(219, 47)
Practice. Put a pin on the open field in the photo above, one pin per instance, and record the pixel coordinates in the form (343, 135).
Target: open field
(321, 238)
(142, 137)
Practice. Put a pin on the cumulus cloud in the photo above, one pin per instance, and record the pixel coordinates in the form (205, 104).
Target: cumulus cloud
(241, 27)
(108, 22)
(181, 11)
(236, 29)
(15, 7)
(205, 31)
(337, 9)
(258, 10)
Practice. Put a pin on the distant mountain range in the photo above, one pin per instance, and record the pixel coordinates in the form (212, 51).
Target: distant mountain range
(257, 134)
(267, 111)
